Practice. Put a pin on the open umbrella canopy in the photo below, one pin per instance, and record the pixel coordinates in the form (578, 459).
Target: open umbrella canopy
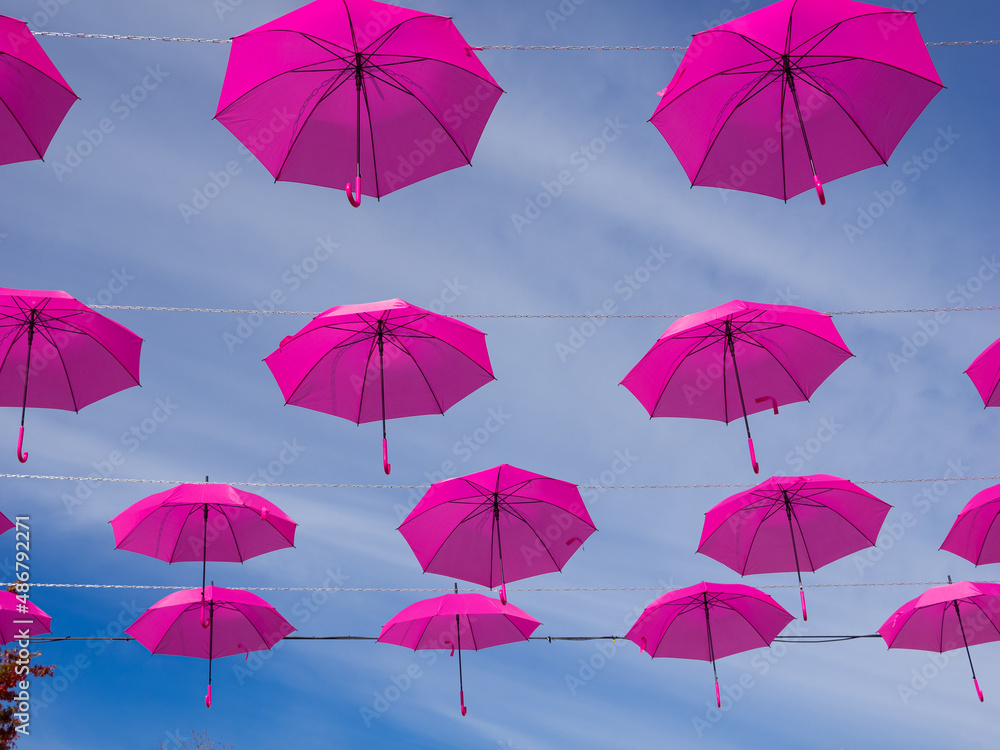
(737, 359)
(476, 620)
(343, 89)
(34, 97)
(379, 361)
(57, 353)
(944, 618)
(457, 621)
(975, 535)
(19, 617)
(794, 94)
(196, 522)
(792, 523)
(239, 622)
(462, 526)
(984, 372)
(708, 621)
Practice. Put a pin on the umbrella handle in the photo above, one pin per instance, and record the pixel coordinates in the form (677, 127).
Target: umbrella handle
(772, 399)
(718, 695)
(449, 643)
(753, 457)
(802, 597)
(205, 623)
(355, 196)
(263, 513)
(208, 698)
(819, 190)
(385, 457)
(22, 457)
(461, 699)
(503, 592)
(978, 691)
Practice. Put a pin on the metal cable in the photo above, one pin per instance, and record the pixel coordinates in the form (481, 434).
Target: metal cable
(235, 311)
(319, 485)
(517, 47)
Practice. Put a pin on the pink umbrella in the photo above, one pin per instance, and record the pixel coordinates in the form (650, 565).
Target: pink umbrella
(708, 621)
(381, 360)
(975, 535)
(445, 621)
(801, 88)
(72, 355)
(193, 522)
(461, 526)
(792, 523)
(341, 88)
(34, 97)
(704, 363)
(19, 616)
(945, 618)
(985, 374)
(241, 622)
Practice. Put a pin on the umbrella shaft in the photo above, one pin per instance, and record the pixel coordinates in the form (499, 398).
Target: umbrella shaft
(789, 76)
(964, 639)
(736, 370)
(27, 364)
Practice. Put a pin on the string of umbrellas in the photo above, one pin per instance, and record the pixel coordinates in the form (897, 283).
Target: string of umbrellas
(460, 528)
(423, 362)
(387, 360)
(776, 102)
(349, 67)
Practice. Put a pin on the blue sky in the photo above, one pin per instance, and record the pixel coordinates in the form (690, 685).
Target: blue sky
(627, 235)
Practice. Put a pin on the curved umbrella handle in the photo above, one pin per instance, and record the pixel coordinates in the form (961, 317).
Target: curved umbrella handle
(205, 623)
(355, 196)
(772, 399)
(449, 643)
(753, 457)
(718, 695)
(263, 513)
(503, 592)
(978, 691)
(461, 699)
(208, 698)
(386, 467)
(819, 190)
(642, 644)
(22, 457)
(802, 597)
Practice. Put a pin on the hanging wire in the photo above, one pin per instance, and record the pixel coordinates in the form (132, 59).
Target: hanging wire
(488, 47)
(549, 638)
(234, 311)
(384, 590)
(336, 486)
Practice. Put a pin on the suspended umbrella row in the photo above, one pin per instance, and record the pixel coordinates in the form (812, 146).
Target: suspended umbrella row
(775, 102)
(391, 359)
